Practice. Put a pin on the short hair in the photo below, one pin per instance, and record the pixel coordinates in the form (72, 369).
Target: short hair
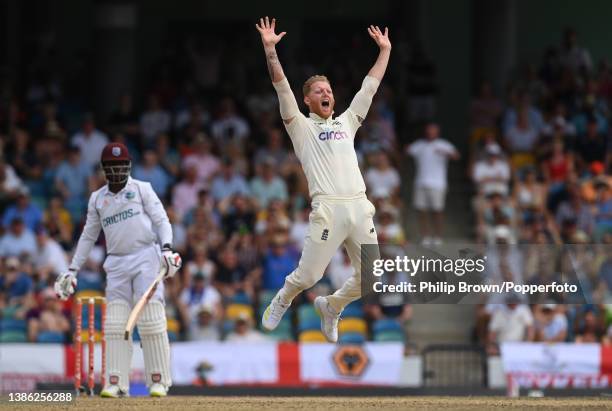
(311, 80)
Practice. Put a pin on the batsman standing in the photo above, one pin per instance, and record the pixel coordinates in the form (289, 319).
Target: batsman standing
(135, 224)
(341, 212)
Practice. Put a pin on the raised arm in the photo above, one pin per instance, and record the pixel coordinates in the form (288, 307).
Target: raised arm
(287, 103)
(363, 99)
(384, 44)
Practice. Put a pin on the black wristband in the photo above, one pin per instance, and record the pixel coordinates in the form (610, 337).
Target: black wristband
(166, 247)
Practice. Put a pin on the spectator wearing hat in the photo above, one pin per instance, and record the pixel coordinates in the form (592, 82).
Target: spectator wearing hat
(90, 141)
(268, 185)
(551, 323)
(18, 288)
(492, 174)
(244, 332)
(10, 183)
(18, 240)
(29, 213)
(388, 228)
(206, 326)
(194, 296)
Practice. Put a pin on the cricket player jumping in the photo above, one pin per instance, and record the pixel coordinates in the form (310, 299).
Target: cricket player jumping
(341, 213)
(134, 224)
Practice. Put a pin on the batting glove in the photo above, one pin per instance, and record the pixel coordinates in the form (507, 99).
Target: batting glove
(65, 284)
(171, 260)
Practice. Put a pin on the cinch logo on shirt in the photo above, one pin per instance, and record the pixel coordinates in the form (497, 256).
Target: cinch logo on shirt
(116, 218)
(332, 135)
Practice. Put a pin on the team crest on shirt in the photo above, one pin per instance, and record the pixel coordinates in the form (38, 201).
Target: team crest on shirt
(130, 195)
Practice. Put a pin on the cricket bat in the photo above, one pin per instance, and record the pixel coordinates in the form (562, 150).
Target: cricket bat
(131, 322)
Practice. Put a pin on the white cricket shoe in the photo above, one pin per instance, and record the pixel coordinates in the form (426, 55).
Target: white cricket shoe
(113, 391)
(274, 313)
(158, 390)
(329, 319)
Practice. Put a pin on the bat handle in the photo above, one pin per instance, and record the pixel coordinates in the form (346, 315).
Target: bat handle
(126, 336)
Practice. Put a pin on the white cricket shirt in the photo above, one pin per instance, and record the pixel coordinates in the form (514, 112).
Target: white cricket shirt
(131, 219)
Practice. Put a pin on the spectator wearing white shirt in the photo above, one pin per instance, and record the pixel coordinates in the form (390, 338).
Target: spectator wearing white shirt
(510, 323)
(431, 155)
(90, 141)
(521, 139)
(383, 180)
(154, 121)
(574, 57)
(51, 257)
(492, 174)
(195, 296)
(244, 332)
(229, 125)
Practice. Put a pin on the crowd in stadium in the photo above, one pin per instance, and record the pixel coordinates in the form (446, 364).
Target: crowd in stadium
(211, 143)
(540, 162)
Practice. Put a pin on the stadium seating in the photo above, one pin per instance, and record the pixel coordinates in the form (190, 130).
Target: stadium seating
(234, 311)
(351, 338)
(353, 325)
(13, 336)
(282, 332)
(51, 337)
(388, 336)
(311, 336)
(387, 330)
(353, 310)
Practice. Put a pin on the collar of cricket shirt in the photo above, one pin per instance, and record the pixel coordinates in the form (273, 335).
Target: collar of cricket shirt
(110, 193)
(320, 119)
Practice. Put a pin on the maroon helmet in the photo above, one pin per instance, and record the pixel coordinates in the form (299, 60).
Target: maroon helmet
(116, 163)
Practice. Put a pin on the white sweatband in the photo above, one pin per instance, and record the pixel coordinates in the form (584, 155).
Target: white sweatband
(286, 100)
(363, 99)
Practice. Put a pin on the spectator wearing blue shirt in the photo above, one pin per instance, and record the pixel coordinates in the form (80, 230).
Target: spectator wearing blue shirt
(279, 261)
(72, 181)
(18, 240)
(268, 186)
(228, 183)
(15, 284)
(29, 213)
(150, 170)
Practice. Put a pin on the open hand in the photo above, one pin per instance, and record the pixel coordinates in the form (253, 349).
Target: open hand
(382, 40)
(266, 29)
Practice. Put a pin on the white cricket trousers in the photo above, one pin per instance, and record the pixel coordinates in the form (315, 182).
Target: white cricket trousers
(333, 221)
(128, 276)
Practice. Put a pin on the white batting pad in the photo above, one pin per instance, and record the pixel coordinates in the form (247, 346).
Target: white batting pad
(155, 344)
(118, 351)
